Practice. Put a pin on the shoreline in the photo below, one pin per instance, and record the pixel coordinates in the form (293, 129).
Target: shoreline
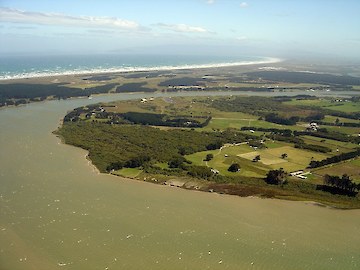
(182, 184)
(34, 75)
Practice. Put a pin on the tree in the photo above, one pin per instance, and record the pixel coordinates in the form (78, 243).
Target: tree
(137, 161)
(343, 182)
(257, 158)
(235, 167)
(276, 177)
(283, 156)
(209, 157)
(114, 166)
(176, 162)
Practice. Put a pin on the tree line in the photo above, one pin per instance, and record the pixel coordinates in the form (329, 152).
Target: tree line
(18, 91)
(339, 185)
(334, 159)
(117, 146)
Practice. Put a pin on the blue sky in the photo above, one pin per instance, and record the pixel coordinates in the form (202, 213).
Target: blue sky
(256, 27)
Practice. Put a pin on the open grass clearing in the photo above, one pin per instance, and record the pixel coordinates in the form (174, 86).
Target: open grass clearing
(332, 144)
(342, 106)
(348, 107)
(265, 159)
(225, 157)
(224, 123)
(297, 159)
(332, 119)
(351, 168)
(128, 172)
(354, 131)
(308, 102)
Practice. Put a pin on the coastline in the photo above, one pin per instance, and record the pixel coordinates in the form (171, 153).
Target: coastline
(189, 184)
(34, 75)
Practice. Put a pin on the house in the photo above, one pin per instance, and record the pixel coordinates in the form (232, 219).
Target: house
(313, 126)
(300, 174)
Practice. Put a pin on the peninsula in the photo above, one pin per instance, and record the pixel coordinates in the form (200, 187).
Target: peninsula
(298, 148)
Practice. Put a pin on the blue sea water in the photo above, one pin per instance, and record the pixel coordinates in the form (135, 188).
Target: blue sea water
(12, 67)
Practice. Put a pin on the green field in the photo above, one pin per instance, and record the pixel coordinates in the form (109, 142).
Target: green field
(332, 144)
(343, 106)
(297, 159)
(128, 172)
(332, 119)
(216, 123)
(351, 168)
(354, 131)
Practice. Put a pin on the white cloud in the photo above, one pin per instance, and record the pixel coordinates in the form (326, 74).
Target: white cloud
(244, 5)
(210, 2)
(18, 16)
(183, 28)
(242, 38)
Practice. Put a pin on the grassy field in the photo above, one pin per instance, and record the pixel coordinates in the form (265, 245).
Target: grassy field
(332, 119)
(297, 159)
(225, 157)
(351, 168)
(354, 131)
(223, 123)
(344, 106)
(250, 179)
(128, 172)
(332, 144)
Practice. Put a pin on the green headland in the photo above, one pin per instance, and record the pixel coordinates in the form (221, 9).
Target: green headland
(295, 148)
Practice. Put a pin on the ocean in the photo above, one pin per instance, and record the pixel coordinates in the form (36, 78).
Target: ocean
(17, 67)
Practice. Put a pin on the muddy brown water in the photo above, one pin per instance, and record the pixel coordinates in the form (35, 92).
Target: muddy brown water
(57, 212)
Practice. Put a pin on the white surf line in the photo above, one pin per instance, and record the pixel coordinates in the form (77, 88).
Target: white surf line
(28, 75)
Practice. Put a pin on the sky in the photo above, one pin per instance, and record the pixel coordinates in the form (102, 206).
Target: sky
(222, 27)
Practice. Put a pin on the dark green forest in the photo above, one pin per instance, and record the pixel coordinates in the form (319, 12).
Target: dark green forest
(123, 144)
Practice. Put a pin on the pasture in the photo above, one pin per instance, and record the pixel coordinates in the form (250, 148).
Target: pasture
(351, 168)
(270, 158)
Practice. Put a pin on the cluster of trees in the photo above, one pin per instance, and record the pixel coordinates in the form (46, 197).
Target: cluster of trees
(235, 167)
(299, 142)
(304, 77)
(115, 146)
(10, 93)
(276, 177)
(277, 119)
(314, 117)
(339, 185)
(202, 172)
(313, 147)
(270, 109)
(256, 143)
(151, 119)
(185, 81)
(162, 120)
(283, 132)
(134, 87)
(254, 105)
(334, 159)
(338, 123)
(332, 135)
(343, 182)
(353, 115)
